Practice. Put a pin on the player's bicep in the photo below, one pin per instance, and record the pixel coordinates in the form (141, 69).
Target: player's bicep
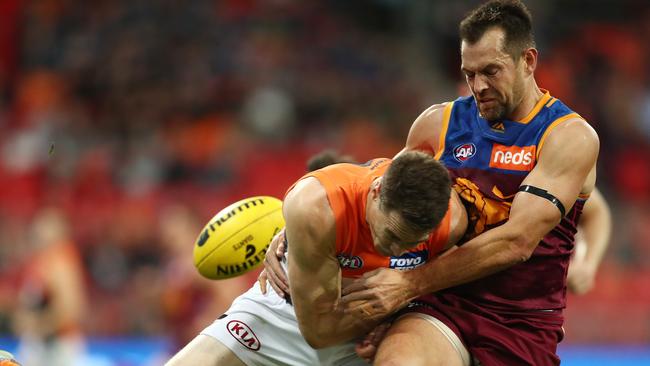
(314, 274)
(565, 163)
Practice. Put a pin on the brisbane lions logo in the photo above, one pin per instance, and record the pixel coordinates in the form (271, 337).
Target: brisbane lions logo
(464, 152)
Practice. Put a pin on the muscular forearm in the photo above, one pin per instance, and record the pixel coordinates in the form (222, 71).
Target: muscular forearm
(491, 252)
(320, 315)
(596, 226)
(334, 328)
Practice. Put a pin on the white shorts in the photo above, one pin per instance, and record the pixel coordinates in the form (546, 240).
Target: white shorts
(263, 330)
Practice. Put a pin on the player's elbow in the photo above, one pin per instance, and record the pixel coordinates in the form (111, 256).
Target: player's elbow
(318, 324)
(318, 334)
(315, 342)
(522, 255)
(318, 340)
(521, 246)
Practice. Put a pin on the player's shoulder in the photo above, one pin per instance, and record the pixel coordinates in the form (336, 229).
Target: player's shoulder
(574, 130)
(573, 140)
(307, 205)
(560, 117)
(434, 112)
(578, 123)
(425, 131)
(308, 194)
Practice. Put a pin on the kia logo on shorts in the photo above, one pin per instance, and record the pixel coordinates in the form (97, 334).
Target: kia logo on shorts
(243, 334)
(464, 152)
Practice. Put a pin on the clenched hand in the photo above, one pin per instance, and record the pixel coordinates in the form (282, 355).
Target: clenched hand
(273, 272)
(377, 294)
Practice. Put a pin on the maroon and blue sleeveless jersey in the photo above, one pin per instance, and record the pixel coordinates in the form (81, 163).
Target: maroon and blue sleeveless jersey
(487, 162)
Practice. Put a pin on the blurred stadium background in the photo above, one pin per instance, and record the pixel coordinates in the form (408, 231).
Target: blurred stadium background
(125, 125)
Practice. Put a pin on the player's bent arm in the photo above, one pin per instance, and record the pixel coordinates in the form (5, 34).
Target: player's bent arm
(425, 131)
(561, 171)
(314, 272)
(596, 226)
(566, 167)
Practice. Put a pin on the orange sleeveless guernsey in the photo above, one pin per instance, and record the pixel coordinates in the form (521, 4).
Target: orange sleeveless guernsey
(347, 187)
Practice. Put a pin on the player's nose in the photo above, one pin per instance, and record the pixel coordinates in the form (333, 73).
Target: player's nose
(480, 84)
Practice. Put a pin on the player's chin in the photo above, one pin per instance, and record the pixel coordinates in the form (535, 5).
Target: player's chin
(491, 114)
(492, 108)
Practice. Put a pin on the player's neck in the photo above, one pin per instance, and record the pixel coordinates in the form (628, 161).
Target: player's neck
(531, 97)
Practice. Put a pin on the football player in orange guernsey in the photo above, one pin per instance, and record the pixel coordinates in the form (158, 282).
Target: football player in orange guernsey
(52, 298)
(341, 221)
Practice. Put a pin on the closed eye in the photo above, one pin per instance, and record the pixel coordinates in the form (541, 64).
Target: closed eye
(490, 71)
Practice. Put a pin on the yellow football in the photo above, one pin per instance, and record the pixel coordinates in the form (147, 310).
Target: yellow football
(236, 239)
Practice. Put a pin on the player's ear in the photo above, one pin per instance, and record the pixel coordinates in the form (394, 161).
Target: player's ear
(530, 60)
(375, 189)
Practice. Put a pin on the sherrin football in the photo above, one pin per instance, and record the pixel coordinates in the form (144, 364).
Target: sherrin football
(236, 239)
(7, 359)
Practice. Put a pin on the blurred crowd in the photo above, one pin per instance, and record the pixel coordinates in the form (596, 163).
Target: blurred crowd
(125, 125)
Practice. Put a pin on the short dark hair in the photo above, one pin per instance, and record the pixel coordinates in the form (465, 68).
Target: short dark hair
(512, 16)
(327, 158)
(418, 187)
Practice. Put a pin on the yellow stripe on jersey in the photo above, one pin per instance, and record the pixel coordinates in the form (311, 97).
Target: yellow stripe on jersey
(551, 102)
(443, 131)
(584, 196)
(537, 107)
(551, 127)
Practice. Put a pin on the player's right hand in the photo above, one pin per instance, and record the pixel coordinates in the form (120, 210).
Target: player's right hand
(273, 272)
(377, 294)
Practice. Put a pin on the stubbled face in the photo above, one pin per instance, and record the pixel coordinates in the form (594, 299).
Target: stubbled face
(391, 236)
(494, 78)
